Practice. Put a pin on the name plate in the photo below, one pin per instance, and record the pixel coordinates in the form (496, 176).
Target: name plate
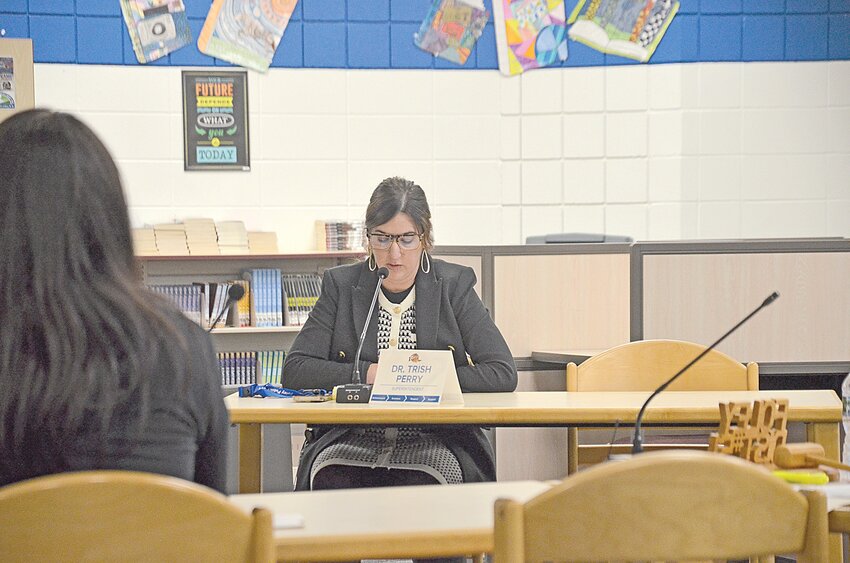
(416, 377)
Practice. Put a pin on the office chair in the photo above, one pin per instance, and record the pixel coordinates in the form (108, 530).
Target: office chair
(664, 506)
(644, 365)
(127, 516)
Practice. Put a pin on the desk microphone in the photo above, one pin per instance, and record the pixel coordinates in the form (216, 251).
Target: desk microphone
(637, 443)
(358, 392)
(234, 294)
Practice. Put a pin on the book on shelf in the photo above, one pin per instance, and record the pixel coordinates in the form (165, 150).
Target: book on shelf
(249, 367)
(189, 298)
(271, 299)
(201, 237)
(144, 241)
(334, 236)
(301, 291)
(265, 297)
(171, 239)
(260, 242)
(232, 237)
(270, 366)
(218, 296)
(240, 314)
(202, 302)
(238, 368)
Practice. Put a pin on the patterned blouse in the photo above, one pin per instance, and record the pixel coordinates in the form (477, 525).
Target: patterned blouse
(412, 448)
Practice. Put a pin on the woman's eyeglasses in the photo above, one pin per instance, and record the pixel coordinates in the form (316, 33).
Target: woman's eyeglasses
(406, 241)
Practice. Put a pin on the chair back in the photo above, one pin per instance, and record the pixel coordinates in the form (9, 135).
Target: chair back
(664, 506)
(643, 365)
(127, 516)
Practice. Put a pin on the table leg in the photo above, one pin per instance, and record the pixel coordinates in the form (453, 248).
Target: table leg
(250, 457)
(827, 435)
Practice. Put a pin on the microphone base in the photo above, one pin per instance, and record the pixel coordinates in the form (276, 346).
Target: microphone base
(353, 393)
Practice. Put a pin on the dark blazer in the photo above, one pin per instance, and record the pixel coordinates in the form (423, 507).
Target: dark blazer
(449, 315)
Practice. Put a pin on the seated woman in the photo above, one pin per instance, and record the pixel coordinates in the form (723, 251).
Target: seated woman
(425, 303)
(96, 372)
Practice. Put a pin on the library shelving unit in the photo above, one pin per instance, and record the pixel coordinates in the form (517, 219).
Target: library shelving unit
(220, 268)
(282, 440)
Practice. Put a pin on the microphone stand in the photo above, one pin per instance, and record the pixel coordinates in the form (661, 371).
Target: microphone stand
(234, 294)
(358, 392)
(637, 443)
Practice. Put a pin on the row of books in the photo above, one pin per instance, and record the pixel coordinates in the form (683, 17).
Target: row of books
(271, 299)
(246, 368)
(340, 235)
(202, 237)
(204, 302)
(283, 299)
(267, 297)
(188, 298)
(301, 291)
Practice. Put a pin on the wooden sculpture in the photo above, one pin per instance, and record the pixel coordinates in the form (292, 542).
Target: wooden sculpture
(751, 431)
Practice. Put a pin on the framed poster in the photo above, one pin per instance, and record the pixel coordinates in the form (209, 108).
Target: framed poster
(215, 120)
(17, 91)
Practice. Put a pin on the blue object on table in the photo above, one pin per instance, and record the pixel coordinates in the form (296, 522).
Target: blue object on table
(271, 390)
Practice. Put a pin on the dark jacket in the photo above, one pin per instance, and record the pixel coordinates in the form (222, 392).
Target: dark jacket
(449, 315)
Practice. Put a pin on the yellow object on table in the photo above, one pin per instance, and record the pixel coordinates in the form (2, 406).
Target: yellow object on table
(802, 477)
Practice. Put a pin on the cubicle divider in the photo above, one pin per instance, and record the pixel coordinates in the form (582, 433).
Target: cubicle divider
(553, 297)
(589, 297)
(563, 302)
(697, 291)
(548, 297)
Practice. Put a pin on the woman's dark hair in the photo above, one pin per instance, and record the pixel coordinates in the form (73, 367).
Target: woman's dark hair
(396, 195)
(80, 334)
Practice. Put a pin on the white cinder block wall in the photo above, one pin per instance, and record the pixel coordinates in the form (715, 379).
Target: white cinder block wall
(658, 152)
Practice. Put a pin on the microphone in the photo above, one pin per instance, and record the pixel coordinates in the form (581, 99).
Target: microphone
(234, 294)
(637, 443)
(358, 392)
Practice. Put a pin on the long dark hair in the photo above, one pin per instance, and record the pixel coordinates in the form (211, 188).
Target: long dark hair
(80, 335)
(398, 195)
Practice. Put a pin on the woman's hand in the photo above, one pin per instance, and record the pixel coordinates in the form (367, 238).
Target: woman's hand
(371, 373)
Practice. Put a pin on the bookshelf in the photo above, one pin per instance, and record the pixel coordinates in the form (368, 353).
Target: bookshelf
(220, 268)
(279, 438)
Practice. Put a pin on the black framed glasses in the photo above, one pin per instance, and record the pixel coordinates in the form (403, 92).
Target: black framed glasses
(406, 241)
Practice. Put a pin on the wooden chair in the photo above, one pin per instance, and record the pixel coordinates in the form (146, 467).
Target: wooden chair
(664, 506)
(644, 365)
(127, 516)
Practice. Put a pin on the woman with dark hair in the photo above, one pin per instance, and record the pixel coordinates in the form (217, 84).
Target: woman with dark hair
(96, 372)
(425, 303)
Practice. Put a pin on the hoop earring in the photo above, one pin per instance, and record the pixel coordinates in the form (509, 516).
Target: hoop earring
(423, 260)
(371, 263)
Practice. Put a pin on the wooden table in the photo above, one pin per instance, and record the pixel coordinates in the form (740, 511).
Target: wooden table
(820, 410)
(354, 524)
(403, 522)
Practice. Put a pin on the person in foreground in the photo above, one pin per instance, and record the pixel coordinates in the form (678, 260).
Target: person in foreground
(96, 371)
(425, 303)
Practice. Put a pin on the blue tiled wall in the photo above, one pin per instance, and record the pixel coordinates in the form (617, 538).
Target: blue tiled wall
(378, 34)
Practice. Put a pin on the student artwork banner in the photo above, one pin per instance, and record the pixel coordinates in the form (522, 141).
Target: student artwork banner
(215, 120)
